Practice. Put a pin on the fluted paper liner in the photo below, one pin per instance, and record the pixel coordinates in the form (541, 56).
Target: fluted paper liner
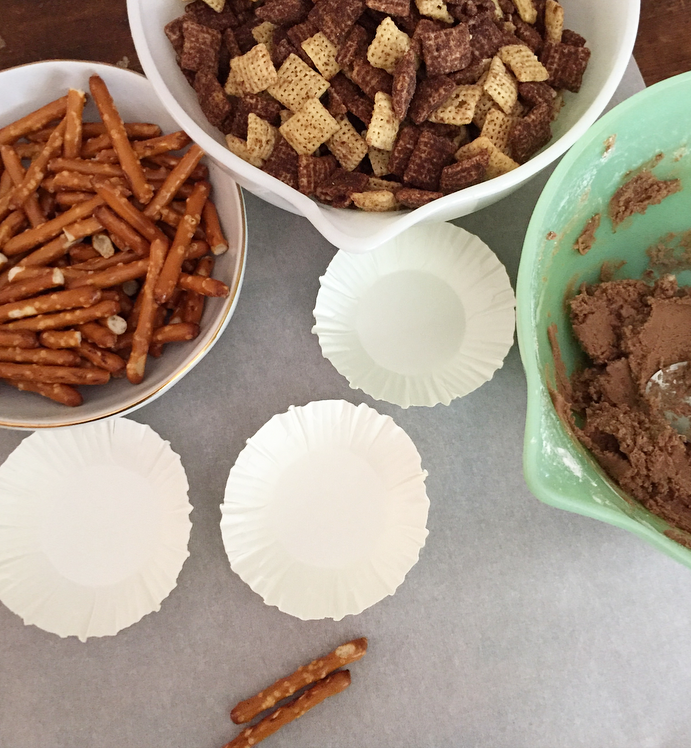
(423, 319)
(325, 510)
(94, 526)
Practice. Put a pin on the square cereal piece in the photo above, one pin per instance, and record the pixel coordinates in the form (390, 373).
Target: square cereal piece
(572, 38)
(281, 51)
(283, 163)
(239, 148)
(390, 7)
(536, 93)
(497, 127)
(410, 197)
(526, 10)
(232, 85)
(200, 47)
(446, 51)
(296, 83)
(299, 33)
(337, 189)
(429, 95)
(352, 98)
(375, 201)
(388, 46)
(370, 79)
(383, 126)
(499, 163)
(335, 18)
(264, 34)
(472, 74)
(323, 54)
(203, 14)
(379, 160)
(403, 150)
(375, 183)
(309, 128)
(404, 83)
(173, 31)
(434, 9)
(313, 170)
(230, 43)
(335, 103)
(254, 71)
(532, 132)
(486, 37)
(554, 22)
(261, 137)
(216, 5)
(566, 65)
(347, 145)
(354, 46)
(284, 12)
(523, 63)
(464, 173)
(212, 99)
(430, 155)
(501, 85)
(528, 35)
(459, 108)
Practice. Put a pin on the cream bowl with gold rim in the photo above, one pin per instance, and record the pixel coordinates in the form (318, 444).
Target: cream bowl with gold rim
(24, 89)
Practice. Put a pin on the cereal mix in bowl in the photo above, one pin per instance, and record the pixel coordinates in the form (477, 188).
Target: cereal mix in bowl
(380, 104)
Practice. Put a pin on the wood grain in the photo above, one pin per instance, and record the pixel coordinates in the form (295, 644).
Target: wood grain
(95, 30)
(663, 46)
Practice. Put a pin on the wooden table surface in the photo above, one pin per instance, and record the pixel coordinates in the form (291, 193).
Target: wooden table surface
(95, 30)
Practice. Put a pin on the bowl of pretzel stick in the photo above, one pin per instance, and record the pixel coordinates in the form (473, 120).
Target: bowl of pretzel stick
(370, 116)
(122, 251)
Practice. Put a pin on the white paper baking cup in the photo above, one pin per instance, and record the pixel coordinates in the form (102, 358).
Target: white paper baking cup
(421, 320)
(325, 510)
(94, 526)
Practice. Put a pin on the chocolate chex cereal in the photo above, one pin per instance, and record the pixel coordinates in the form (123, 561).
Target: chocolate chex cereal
(365, 103)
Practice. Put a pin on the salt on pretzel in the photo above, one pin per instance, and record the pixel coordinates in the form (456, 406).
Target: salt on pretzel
(175, 333)
(98, 334)
(168, 277)
(52, 302)
(60, 393)
(58, 339)
(72, 143)
(322, 689)
(203, 286)
(115, 127)
(33, 121)
(143, 333)
(45, 356)
(303, 676)
(25, 289)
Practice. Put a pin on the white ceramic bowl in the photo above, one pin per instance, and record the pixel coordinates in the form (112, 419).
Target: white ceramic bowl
(28, 87)
(610, 28)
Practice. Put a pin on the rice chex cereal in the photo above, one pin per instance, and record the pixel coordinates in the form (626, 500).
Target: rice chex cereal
(364, 103)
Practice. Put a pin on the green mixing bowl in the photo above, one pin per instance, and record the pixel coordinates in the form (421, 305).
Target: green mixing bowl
(558, 469)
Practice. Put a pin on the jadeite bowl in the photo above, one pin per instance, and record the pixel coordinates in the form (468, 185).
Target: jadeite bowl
(609, 26)
(558, 469)
(25, 88)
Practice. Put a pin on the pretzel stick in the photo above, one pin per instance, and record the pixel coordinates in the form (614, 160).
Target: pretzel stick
(111, 276)
(25, 289)
(137, 220)
(192, 306)
(72, 197)
(98, 334)
(203, 286)
(33, 237)
(197, 249)
(53, 374)
(37, 170)
(142, 190)
(322, 689)
(6, 183)
(61, 393)
(14, 167)
(20, 339)
(14, 222)
(34, 121)
(52, 302)
(96, 262)
(39, 356)
(116, 226)
(58, 247)
(142, 336)
(175, 333)
(82, 166)
(212, 229)
(167, 280)
(134, 130)
(94, 145)
(103, 359)
(73, 118)
(69, 318)
(72, 181)
(174, 181)
(316, 670)
(200, 171)
(58, 339)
